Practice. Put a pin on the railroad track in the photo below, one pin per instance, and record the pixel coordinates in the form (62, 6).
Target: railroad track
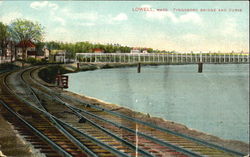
(106, 118)
(56, 133)
(102, 132)
(35, 128)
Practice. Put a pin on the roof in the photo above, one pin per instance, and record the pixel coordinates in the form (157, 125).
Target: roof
(25, 43)
(97, 50)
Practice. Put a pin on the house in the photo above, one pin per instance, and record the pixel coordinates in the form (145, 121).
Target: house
(135, 50)
(46, 52)
(58, 56)
(30, 49)
(6, 52)
(97, 50)
(144, 51)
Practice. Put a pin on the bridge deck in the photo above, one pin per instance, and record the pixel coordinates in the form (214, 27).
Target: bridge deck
(161, 58)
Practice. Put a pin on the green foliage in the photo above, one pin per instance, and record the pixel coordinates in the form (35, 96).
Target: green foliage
(150, 50)
(34, 61)
(25, 30)
(49, 74)
(4, 34)
(86, 47)
(31, 60)
(22, 29)
(4, 37)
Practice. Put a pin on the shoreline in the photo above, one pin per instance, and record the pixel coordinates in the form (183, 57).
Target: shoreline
(171, 125)
(231, 144)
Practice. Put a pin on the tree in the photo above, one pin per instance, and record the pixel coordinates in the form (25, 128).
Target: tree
(4, 38)
(150, 50)
(25, 31)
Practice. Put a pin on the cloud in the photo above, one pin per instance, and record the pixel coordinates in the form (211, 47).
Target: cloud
(156, 15)
(43, 4)
(53, 6)
(162, 15)
(39, 5)
(65, 15)
(229, 27)
(113, 19)
(121, 17)
(159, 15)
(59, 19)
(87, 24)
(191, 38)
(56, 16)
(93, 16)
(145, 6)
(153, 14)
(60, 34)
(7, 18)
(190, 17)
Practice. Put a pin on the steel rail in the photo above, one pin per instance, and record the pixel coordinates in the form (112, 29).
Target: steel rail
(205, 143)
(72, 138)
(78, 143)
(101, 128)
(37, 132)
(144, 152)
(75, 110)
(202, 142)
(59, 126)
(159, 128)
(98, 142)
(31, 90)
(164, 143)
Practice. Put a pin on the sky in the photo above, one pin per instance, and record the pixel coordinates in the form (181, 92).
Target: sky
(182, 26)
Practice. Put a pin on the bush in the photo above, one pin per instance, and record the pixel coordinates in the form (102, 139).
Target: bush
(31, 60)
(34, 61)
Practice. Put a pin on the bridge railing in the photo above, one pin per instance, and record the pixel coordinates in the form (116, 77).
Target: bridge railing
(162, 58)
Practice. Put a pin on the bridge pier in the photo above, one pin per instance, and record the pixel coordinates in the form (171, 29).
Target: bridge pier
(200, 67)
(138, 67)
(78, 66)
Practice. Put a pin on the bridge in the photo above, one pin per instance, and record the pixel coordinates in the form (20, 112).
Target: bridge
(162, 58)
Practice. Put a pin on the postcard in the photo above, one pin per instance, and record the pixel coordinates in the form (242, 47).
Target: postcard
(124, 78)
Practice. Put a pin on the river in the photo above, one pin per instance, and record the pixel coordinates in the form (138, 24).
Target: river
(215, 101)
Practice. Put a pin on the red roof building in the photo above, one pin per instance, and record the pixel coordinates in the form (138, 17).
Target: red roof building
(97, 50)
(30, 49)
(25, 43)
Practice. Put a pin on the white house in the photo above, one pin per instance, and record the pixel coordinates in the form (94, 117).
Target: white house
(145, 51)
(135, 50)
